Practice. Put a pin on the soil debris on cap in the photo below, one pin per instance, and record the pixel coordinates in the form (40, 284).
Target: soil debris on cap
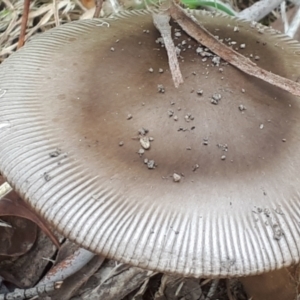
(160, 88)
(47, 177)
(151, 164)
(216, 98)
(200, 92)
(129, 117)
(121, 143)
(141, 151)
(176, 177)
(196, 166)
(145, 142)
(216, 60)
(242, 107)
(170, 112)
(143, 131)
(55, 153)
(205, 142)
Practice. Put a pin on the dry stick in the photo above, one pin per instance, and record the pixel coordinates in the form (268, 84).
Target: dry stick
(200, 34)
(19, 294)
(24, 23)
(161, 22)
(98, 4)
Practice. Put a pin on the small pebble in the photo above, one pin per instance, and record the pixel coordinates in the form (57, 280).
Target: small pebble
(141, 151)
(175, 118)
(170, 113)
(284, 140)
(112, 49)
(151, 70)
(145, 143)
(121, 143)
(200, 92)
(129, 117)
(243, 90)
(223, 157)
(160, 70)
(160, 88)
(151, 164)
(242, 107)
(196, 166)
(242, 46)
(143, 131)
(261, 126)
(176, 177)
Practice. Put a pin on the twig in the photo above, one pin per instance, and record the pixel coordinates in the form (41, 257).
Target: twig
(283, 16)
(212, 289)
(5, 188)
(294, 24)
(228, 290)
(68, 267)
(120, 281)
(98, 4)
(259, 10)
(24, 23)
(19, 294)
(55, 13)
(161, 22)
(200, 34)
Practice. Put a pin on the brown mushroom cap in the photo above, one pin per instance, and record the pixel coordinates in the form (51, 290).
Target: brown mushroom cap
(73, 102)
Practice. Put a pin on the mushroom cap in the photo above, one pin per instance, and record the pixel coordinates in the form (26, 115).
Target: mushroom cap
(73, 102)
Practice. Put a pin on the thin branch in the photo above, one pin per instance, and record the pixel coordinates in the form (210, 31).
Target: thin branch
(295, 24)
(259, 10)
(200, 34)
(98, 4)
(19, 294)
(68, 267)
(5, 189)
(24, 23)
(161, 22)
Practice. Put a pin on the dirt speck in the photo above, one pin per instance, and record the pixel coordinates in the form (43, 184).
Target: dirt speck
(55, 153)
(145, 142)
(195, 167)
(121, 143)
(129, 117)
(215, 98)
(47, 177)
(151, 164)
(161, 88)
(242, 107)
(176, 177)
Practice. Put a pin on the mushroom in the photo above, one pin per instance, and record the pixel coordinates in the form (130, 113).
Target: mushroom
(67, 90)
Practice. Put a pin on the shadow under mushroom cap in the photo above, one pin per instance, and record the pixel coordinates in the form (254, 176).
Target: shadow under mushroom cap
(73, 101)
